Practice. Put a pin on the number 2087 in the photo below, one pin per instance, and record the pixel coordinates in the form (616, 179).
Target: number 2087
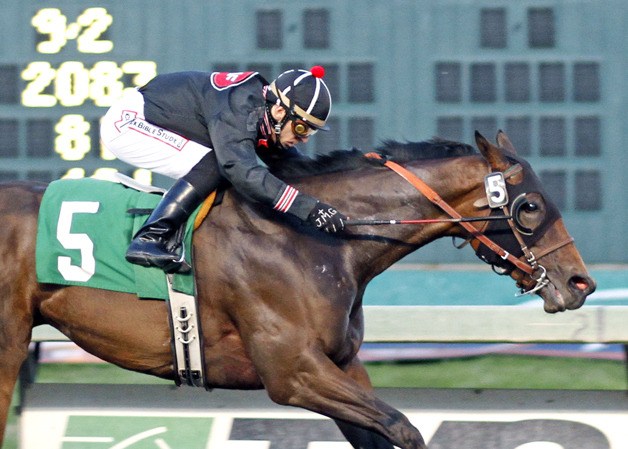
(72, 84)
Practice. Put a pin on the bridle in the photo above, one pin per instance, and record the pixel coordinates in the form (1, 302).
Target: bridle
(530, 266)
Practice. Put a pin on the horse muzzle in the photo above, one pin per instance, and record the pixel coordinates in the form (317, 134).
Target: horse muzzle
(568, 296)
(581, 287)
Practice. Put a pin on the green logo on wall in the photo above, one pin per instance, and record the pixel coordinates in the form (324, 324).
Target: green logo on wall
(136, 432)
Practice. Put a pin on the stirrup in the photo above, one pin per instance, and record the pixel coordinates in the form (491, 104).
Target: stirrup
(178, 266)
(170, 265)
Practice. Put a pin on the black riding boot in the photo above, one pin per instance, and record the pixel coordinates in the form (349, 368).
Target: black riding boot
(149, 247)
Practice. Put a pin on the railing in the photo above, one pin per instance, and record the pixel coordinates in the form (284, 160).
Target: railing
(413, 324)
(449, 324)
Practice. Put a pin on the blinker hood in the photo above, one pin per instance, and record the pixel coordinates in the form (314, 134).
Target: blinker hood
(500, 232)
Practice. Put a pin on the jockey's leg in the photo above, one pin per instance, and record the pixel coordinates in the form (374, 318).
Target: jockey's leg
(149, 246)
(192, 164)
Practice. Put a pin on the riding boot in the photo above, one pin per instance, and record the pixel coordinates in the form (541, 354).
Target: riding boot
(149, 246)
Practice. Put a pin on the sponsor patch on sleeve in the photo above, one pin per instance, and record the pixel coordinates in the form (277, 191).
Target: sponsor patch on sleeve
(224, 80)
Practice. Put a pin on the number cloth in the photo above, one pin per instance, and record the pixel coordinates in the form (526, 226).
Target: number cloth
(83, 233)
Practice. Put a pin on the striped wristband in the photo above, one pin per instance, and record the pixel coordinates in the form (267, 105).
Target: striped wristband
(286, 199)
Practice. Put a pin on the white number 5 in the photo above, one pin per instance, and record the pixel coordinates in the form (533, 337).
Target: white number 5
(496, 192)
(81, 242)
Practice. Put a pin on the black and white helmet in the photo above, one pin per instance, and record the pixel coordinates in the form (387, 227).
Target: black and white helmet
(304, 95)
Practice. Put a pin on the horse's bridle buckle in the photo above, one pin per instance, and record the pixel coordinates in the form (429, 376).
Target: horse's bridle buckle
(541, 282)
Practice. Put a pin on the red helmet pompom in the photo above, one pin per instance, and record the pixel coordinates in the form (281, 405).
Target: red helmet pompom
(317, 71)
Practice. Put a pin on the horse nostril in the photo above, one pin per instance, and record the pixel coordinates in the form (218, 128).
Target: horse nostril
(582, 284)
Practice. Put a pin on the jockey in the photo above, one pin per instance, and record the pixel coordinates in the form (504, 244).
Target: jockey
(206, 128)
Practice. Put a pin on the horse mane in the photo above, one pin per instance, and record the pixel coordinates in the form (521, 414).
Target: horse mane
(346, 160)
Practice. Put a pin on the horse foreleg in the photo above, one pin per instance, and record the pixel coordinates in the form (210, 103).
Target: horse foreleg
(315, 383)
(359, 437)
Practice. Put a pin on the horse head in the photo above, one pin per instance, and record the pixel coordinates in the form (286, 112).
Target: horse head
(534, 233)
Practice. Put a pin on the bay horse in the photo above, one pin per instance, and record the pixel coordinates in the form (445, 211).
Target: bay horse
(280, 304)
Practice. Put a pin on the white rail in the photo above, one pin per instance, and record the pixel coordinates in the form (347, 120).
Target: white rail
(509, 324)
(448, 324)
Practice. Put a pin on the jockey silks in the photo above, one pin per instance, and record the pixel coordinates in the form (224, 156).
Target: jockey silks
(188, 115)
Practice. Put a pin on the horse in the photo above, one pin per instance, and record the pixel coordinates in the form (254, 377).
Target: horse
(281, 304)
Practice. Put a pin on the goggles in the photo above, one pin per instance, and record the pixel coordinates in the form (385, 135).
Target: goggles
(301, 129)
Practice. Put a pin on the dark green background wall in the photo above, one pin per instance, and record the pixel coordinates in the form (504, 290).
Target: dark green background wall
(551, 74)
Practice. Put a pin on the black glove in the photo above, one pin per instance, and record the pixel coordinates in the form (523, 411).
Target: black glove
(326, 218)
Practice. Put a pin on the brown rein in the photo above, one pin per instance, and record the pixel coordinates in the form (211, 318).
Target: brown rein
(431, 195)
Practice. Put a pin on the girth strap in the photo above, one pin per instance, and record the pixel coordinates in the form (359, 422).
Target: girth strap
(187, 338)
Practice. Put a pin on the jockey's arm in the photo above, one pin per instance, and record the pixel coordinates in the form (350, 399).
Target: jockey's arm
(233, 131)
(238, 163)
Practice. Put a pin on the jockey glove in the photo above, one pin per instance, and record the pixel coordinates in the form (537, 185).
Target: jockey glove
(326, 218)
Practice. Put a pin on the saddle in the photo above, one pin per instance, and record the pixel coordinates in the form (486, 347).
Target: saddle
(84, 228)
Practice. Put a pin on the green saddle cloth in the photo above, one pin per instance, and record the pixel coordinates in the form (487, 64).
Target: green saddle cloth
(83, 233)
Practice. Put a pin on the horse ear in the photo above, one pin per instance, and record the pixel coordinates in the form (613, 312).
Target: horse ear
(504, 142)
(494, 155)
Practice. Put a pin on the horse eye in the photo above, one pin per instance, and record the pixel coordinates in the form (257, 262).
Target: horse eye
(530, 207)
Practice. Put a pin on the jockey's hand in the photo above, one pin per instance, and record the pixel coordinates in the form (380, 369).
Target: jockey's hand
(326, 218)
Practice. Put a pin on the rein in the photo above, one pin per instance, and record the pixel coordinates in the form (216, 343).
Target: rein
(435, 198)
(426, 220)
(530, 267)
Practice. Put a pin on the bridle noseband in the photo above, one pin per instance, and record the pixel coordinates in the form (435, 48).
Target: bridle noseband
(486, 248)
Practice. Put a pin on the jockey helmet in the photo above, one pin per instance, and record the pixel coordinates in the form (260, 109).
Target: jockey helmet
(303, 94)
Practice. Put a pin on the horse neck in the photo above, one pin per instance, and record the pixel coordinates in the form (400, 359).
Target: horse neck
(383, 194)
